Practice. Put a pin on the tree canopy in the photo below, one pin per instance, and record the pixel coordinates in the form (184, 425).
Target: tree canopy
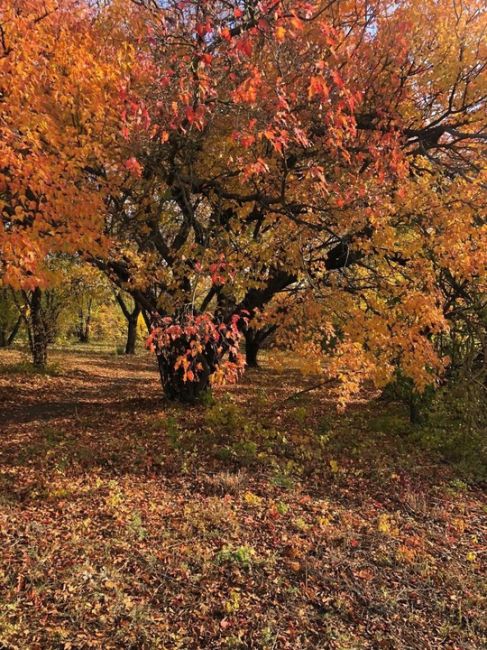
(241, 167)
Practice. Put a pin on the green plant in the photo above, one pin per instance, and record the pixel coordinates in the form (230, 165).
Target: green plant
(242, 451)
(206, 399)
(245, 451)
(300, 414)
(225, 415)
(52, 436)
(390, 423)
(136, 526)
(456, 429)
(242, 556)
(283, 479)
(282, 508)
(402, 389)
(268, 638)
(173, 432)
(27, 368)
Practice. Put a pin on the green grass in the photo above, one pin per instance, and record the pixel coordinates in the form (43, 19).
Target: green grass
(28, 368)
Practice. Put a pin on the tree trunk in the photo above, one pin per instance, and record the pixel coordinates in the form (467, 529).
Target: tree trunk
(173, 384)
(7, 339)
(252, 347)
(132, 332)
(84, 329)
(84, 322)
(38, 338)
(14, 332)
(84, 335)
(253, 342)
(132, 319)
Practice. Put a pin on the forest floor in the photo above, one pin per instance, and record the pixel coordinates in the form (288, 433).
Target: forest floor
(256, 521)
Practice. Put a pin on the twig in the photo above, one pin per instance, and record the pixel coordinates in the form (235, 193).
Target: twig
(307, 390)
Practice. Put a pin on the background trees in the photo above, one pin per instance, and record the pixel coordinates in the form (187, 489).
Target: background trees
(57, 115)
(10, 319)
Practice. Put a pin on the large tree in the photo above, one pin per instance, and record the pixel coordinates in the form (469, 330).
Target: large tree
(307, 148)
(241, 149)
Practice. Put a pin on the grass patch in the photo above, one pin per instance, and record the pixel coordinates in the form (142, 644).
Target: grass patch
(27, 368)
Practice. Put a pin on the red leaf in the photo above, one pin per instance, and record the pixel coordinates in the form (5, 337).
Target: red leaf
(245, 46)
(133, 165)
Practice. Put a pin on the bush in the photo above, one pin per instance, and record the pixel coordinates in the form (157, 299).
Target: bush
(402, 390)
(225, 415)
(457, 428)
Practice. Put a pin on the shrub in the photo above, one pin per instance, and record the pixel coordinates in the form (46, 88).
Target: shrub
(456, 428)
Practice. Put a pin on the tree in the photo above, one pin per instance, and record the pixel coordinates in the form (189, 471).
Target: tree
(200, 209)
(40, 310)
(132, 316)
(70, 289)
(308, 168)
(88, 288)
(421, 73)
(280, 148)
(57, 92)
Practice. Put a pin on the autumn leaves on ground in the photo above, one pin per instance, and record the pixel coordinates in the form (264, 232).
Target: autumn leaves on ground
(261, 520)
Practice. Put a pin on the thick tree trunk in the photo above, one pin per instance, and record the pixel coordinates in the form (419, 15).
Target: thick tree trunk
(253, 343)
(38, 338)
(252, 347)
(172, 380)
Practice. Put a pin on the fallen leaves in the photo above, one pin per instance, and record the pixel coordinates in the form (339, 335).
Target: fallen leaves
(100, 549)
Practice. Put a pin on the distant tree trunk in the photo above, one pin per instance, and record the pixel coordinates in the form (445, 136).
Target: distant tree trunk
(14, 332)
(132, 319)
(40, 311)
(10, 318)
(132, 330)
(84, 333)
(6, 338)
(38, 336)
(84, 324)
